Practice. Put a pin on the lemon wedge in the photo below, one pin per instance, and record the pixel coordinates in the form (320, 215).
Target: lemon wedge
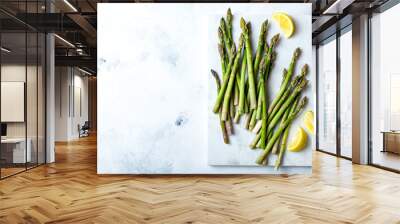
(285, 23)
(299, 141)
(308, 121)
(309, 126)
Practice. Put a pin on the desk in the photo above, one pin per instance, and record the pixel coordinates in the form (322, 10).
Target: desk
(15, 148)
(391, 141)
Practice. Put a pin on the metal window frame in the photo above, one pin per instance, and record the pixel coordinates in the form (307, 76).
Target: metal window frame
(44, 74)
(381, 9)
(334, 37)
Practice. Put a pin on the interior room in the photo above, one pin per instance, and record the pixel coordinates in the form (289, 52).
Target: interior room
(148, 111)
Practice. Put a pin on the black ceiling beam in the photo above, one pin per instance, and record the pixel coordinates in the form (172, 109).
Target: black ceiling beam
(81, 61)
(49, 22)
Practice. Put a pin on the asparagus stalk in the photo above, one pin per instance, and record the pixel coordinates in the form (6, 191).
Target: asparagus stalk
(231, 106)
(294, 83)
(248, 119)
(288, 102)
(221, 122)
(253, 96)
(277, 145)
(253, 120)
(229, 19)
(229, 125)
(263, 138)
(231, 81)
(221, 50)
(260, 45)
(227, 41)
(286, 80)
(281, 128)
(254, 143)
(284, 137)
(261, 96)
(242, 86)
(236, 92)
(225, 81)
(269, 56)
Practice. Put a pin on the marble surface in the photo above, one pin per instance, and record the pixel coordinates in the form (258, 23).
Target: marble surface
(153, 73)
(238, 152)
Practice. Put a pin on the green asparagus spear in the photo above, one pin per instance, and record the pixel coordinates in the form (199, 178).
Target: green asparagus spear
(284, 137)
(269, 56)
(286, 80)
(221, 122)
(260, 45)
(229, 19)
(253, 96)
(221, 50)
(227, 41)
(281, 128)
(225, 81)
(288, 102)
(231, 81)
(277, 145)
(295, 82)
(253, 120)
(261, 95)
(263, 138)
(242, 86)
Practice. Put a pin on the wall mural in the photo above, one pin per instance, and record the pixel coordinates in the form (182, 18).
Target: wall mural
(177, 94)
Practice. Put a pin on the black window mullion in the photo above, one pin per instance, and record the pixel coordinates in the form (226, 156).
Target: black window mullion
(26, 88)
(338, 97)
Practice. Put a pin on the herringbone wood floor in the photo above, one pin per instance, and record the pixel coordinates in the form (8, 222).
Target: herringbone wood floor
(70, 191)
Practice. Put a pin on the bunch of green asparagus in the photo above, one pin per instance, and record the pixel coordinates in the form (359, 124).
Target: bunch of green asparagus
(244, 89)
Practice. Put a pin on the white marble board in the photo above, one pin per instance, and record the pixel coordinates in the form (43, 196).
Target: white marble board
(153, 86)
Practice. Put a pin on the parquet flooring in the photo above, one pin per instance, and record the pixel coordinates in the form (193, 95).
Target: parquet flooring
(70, 191)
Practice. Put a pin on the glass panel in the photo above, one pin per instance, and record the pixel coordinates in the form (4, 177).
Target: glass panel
(385, 89)
(327, 97)
(32, 96)
(346, 94)
(41, 98)
(13, 91)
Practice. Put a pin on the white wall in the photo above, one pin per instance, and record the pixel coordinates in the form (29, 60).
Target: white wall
(33, 127)
(69, 82)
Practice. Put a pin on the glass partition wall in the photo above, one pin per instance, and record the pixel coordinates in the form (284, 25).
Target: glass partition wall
(334, 105)
(385, 90)
(22, 90)
(327, 96)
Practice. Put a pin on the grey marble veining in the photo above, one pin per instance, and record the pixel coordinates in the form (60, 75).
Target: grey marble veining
(154, 90)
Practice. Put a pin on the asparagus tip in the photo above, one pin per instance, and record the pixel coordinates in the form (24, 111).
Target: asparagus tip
(304, 70)
(263, 28)
(248, 26)
(243, 24)
(275, 39)
(303, 102)
(296, 53)
(222, 23)
(214, 73)
(229, 15)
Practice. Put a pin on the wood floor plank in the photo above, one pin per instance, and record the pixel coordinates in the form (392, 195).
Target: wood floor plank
(70, 191)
